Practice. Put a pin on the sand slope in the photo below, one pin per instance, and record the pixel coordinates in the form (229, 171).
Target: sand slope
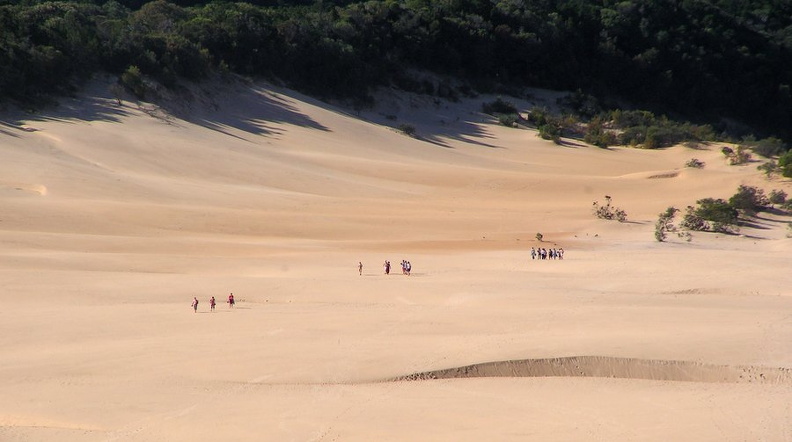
(115, 216)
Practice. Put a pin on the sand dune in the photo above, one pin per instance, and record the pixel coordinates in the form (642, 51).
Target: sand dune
(115, 215)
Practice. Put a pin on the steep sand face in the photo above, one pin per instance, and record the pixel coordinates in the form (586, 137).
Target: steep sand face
(115, 216)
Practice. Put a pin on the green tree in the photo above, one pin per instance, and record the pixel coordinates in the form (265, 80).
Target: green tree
(785, 164)
(715, 215)
(748, 200)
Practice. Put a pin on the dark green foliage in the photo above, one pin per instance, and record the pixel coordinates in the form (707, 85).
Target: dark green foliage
(645, 129)
(407, 129)
(769, 168)
(748, 200)
(538, 116)
(598, 135)
(133, 82)
(692, 221)
(777, 197)
(768, 147)
(509, 120)
(785, 164)
(499, 106)
(551, 131)
(714, 215)
(581, 104)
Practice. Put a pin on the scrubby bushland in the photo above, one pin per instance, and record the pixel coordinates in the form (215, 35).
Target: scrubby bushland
(768, 147)
(608, 211)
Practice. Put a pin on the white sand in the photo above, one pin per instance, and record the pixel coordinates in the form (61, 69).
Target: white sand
(114, 217)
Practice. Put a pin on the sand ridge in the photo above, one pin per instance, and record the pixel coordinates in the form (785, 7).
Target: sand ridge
(610, 367)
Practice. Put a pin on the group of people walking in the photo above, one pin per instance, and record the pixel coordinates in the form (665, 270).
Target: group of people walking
(213, 303)
(405, 265)
(542, 253)
(386, 267)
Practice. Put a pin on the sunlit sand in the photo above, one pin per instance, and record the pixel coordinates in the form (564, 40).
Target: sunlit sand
(115, 216)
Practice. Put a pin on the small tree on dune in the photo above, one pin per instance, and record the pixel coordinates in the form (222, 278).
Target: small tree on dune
(777, 197)
(748, 200)
(665, 224)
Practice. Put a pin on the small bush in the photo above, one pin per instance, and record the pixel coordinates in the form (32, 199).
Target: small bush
(538, 116)
(777, 197)
(598, 135)
(132, 79)
(609, 212)
(748, 200)
(769, 168)
(407, 129)
(539, 237)
(509, 120)
(785, 164)
(665, 224)
(695, 163)
(499, 107)
(737, 156)
(550, 131)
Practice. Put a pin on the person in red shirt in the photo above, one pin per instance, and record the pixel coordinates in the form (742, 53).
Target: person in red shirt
(231, 300)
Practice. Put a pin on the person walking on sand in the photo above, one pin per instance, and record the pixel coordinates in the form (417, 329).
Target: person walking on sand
(195, 305)
(212, 304)
(231, 300)
(360, 268)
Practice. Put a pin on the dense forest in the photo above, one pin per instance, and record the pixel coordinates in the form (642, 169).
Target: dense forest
(706, 60)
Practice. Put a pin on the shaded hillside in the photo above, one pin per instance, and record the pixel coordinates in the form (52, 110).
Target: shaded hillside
(705, 60)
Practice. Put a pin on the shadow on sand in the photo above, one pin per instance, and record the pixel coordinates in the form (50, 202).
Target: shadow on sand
(232, 108)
